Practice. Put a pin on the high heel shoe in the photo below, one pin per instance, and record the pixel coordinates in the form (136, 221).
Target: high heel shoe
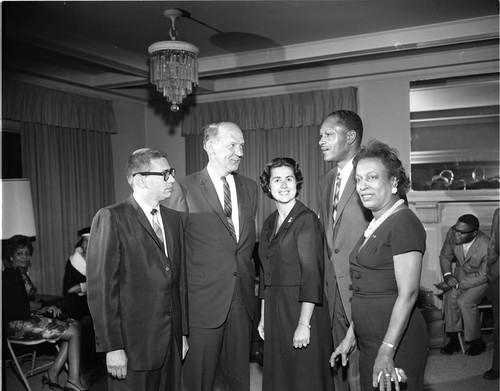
(49, 383)
(73, 387)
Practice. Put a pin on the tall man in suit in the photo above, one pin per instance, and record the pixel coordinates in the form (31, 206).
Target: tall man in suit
(219, 207)
(136, 275)
(344, 219)
(465, 286)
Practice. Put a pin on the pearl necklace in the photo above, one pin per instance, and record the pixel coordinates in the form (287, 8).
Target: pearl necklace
(375, 223)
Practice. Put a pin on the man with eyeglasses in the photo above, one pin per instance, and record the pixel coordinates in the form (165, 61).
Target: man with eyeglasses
(464, 287)
(136, 275)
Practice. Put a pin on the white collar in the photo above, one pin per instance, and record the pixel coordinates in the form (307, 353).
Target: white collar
(78, 261)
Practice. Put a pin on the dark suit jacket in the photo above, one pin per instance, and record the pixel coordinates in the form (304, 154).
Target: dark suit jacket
(214, 259)
(137, 296)
(471, 270)
(341, 237)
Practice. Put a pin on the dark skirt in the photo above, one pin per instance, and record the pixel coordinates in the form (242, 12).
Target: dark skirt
(371, 316)
(287, 368)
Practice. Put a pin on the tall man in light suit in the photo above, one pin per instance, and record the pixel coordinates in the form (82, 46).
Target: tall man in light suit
(136, 276)
(219, 208)
(341, 134)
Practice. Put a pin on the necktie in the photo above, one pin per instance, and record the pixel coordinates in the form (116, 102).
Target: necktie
(156, 226)
(336, 195)
(228, 210)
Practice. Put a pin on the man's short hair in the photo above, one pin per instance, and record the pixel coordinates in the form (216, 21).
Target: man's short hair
(140, 161)
(350, 120)
(470, 220)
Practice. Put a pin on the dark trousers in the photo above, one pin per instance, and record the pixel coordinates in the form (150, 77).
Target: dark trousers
(168, 377)
(345, 379)
(227, 346)
(493, 296)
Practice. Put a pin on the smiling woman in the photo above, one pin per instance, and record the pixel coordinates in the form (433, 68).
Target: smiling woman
(385, 265)
(295, 323)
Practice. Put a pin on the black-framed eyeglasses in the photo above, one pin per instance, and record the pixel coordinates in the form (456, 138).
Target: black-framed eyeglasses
(457, 231)
(165, 174)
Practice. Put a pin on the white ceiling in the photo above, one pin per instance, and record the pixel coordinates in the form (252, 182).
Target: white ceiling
(102, 46)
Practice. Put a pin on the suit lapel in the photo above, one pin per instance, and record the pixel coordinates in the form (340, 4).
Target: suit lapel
(242, 200)
(144, 222)
(348, 192)
(328, 206)
(167, 228)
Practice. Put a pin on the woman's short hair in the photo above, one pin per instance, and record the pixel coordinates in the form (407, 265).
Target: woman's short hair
(16, 242)
(265, 178)
(390, 160)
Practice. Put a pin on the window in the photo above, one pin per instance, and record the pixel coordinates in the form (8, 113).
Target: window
(455, 133)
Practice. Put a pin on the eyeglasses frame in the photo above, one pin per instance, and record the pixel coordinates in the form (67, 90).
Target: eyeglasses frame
(166, 174)
(461, 232)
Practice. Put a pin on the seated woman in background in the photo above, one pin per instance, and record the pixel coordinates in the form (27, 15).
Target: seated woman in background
(75, 282)
(23, 323)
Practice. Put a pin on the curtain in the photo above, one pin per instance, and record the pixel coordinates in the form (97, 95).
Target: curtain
(66, 154)
(301, 116)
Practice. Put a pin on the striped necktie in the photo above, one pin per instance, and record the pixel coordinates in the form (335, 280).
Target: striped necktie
(336, 195)
(228, 209)
(156, 226)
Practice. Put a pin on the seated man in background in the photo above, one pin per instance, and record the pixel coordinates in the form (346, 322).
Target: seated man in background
(465, 287)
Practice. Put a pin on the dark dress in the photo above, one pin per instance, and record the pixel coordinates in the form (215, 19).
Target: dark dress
(293, 272)
(75, 305)
(374, 294)
(20, 322)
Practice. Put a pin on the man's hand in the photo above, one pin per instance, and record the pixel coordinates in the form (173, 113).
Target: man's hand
(450, 280)
(443, 286)
(116, 362)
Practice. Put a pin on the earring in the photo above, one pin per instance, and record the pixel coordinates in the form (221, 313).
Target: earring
(394, 190)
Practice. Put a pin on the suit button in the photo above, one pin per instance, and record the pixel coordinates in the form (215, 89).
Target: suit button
(350, 287)
(356, 289)
(167, 269)
(235, 274)
(336, 251)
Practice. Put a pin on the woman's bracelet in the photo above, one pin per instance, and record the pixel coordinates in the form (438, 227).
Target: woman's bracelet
(304, 324)
(389, 345)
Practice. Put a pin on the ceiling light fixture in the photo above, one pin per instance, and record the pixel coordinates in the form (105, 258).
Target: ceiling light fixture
(174, 64)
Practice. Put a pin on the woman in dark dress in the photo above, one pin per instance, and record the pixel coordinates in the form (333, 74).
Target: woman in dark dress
(75, 282)
(385, 269)
(295, 322)
(25, 324)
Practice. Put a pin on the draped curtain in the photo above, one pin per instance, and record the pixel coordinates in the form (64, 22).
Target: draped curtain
(66, 154)
(276, 126)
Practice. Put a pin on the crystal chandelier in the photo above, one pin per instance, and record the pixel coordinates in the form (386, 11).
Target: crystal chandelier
(174, 64)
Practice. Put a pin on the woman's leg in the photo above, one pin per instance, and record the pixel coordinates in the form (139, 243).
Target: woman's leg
(74, 337)
(59, 362)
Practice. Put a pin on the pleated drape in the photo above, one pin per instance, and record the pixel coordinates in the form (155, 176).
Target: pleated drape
(284, 125)
(67, 155)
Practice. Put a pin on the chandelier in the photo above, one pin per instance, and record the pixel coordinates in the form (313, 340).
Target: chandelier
(173, 64)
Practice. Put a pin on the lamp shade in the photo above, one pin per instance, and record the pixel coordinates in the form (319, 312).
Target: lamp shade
(17, 208)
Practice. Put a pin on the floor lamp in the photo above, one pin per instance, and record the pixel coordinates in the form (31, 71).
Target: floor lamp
(17, 209)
